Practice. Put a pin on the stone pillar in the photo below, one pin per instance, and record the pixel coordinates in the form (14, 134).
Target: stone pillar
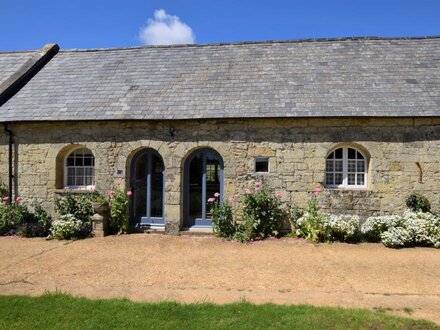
(100, 220)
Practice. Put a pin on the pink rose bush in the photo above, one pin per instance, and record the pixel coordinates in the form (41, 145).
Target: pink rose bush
(119, 207)
(262, 214)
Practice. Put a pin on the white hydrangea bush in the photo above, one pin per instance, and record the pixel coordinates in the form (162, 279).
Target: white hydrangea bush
(327, 227)
(423, 227)
(410, 229)
(341, 227)
(374, 226)
(67, 227)
(396, 237)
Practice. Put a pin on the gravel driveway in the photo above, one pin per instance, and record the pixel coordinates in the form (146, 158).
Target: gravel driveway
(153, 267)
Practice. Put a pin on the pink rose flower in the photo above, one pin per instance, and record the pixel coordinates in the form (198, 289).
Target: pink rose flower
(211, 200)
(248, 191)
(232, 199)
(257, 184)
(5, 199)
(323, 206)
(244, 206)
(316, 191)
(18, 199)
(118, 181)
(129, 193)
(279, 196)
(257, 189)
(216, 195)
(111, 194)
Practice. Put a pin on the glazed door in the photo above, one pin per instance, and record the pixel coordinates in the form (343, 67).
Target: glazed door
(203, 178)
(148, 188)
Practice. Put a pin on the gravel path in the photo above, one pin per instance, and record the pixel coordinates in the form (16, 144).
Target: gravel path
(153, 267)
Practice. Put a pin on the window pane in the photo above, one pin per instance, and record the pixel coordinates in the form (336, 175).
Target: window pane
(329, 178)
(331, 156)
(338, 178)
(360, 166)
(79, 162)
(351, 153)
(79, 171)
(70, 181)
(351, 179)
(88, 161)
(338, 166)
(71, 171)
(88, 171)
(360, 179)
(338, 153)
(351, 166)
(88, 180)
(79, 181)
(261, 165)
(329, 166)
(359, 155)
(70, 161)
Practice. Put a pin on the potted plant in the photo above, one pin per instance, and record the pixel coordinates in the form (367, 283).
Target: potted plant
(100, 204)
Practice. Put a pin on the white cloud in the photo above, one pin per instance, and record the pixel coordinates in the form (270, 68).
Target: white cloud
(166, 29)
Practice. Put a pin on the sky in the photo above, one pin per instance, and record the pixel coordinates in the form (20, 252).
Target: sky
(30, 24)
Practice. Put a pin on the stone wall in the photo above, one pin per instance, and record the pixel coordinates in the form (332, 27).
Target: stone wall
(404, 156)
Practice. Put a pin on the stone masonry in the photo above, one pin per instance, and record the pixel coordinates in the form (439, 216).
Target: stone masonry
(404, 157)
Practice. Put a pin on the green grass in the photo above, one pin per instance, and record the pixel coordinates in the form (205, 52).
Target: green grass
(60, 311)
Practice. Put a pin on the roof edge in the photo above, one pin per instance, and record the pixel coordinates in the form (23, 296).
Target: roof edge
(293, 41)
(24, 74)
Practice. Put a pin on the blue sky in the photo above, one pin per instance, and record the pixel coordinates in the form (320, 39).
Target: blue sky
(29, 24)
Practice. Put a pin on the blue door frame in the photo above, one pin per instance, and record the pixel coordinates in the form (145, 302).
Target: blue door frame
(202, 222)
(147, 219)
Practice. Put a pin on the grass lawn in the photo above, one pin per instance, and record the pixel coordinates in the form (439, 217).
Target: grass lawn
(62, 311)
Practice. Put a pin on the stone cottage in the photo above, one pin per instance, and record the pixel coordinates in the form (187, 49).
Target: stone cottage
(359, 117)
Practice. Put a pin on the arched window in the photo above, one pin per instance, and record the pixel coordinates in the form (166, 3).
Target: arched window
(346, 167)
(80, 169)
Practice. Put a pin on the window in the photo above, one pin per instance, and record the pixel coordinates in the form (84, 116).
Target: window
(212, 171)
(346, 167)
(261, 164)
(79, 170)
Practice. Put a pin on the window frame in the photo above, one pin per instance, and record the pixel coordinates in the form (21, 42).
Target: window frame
(260, 159)
(345, 171)
(66, 170)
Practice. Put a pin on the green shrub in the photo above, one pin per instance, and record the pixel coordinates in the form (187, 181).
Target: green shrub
(67, 227)
(39, 226)
(13, 216)
(263, 213)
(119, 208)
(78, 206)
(418, 203)
(317, 226)
(222, 217)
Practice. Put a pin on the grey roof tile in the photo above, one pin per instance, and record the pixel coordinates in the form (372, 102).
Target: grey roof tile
(316, 78)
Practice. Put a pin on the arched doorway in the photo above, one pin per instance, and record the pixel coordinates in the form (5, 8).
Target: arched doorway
(147, 183)
(203, 177)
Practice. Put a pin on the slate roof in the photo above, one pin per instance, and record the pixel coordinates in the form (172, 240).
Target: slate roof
(17, 68)
(10, 62)
(351, 77)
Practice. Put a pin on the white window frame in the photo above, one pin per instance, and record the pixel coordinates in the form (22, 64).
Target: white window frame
(259, 159)
(66, 167)
(345, 159)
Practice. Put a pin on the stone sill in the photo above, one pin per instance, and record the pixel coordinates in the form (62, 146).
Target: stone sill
(347, 189)
(72, 191)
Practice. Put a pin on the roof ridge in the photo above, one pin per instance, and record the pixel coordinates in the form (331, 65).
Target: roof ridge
(19, 51)
(233, 43)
